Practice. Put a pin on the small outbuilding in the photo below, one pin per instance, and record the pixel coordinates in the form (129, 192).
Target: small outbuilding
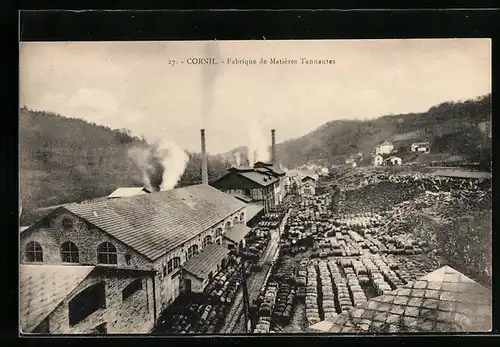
(234, 238)
(199, 270)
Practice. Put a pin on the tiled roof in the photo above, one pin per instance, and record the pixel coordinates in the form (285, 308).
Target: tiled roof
(253, 209)
(43, 287)
(259, 178)
(237, 233)
(443, 301)
(128, 191)
(203, 263)
(154, 224)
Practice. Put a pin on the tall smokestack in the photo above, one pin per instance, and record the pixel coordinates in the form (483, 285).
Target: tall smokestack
(273, 147)
(204, 166)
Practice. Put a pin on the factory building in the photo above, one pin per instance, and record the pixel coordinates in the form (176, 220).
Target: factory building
(308, 186)
(113, 265)
(264, 183)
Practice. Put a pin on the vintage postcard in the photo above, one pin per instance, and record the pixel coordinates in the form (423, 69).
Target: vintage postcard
(255, 187)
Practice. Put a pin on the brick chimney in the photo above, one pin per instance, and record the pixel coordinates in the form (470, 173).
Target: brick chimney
(273, 147)
(204, 166)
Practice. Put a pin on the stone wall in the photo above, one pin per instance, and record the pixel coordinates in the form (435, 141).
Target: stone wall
(134, 315)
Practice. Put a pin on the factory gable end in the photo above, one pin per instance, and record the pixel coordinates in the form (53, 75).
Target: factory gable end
(151, 224)
(65, 238)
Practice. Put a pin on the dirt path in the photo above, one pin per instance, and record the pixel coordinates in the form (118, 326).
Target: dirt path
(255, 283)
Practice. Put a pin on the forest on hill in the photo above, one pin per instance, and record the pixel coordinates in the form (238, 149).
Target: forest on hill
(65, 160)
(451, 127)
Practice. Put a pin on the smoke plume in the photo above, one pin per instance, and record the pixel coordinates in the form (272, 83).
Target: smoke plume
(237, 158)
(162, 164)
(258, 148)
(209, 76)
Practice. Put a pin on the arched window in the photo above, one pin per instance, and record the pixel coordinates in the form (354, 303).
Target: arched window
(192, 251)
(106, 254)
(228, 225)
(174, 264)
(69, 253)
(34, 252)
(87, 302)
(236, 220)
(207, 240)
(242, 217)
(218, 232)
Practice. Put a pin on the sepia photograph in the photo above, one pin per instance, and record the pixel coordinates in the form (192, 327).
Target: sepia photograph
(255, 187)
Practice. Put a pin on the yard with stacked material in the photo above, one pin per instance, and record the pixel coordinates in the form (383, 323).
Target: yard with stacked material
(376, 233)
(207, 312)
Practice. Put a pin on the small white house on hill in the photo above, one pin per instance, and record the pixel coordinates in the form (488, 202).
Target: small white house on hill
(423, 147)
(394, 160)
(378, 160)
(384, 148)
(308, 186)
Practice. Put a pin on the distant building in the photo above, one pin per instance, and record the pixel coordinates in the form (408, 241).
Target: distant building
(393, 160)
(378, 160)
(128, 191)
(308, 186)
(384, 148)
(423, 147)
(259, 184)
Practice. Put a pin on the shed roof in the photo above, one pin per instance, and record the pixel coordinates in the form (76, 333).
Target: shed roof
(259, 178)
(237, 233)
(203, 263)
(242, 197)
(43, 288)
(253, 209)
(154, 224)
(128, 191)
(443, 301)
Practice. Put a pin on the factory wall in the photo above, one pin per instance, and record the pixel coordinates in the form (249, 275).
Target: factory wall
(169, 285)
(132, 315)
(50, 233)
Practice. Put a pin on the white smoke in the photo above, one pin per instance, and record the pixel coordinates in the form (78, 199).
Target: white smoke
(174, 163)
(162, 164)
(237, 158)
(258, 149)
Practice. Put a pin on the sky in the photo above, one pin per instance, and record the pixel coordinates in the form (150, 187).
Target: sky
(132, 84)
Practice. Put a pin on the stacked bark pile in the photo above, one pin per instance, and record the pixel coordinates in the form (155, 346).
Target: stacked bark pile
(266, 308)
(343, 296)
(328, 296)
(312, 307)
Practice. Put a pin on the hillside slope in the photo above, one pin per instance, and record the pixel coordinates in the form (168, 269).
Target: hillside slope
(65, 160)
(451, 127)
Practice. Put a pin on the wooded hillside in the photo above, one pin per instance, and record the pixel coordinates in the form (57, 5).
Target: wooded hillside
(64, 160)
(451, 127)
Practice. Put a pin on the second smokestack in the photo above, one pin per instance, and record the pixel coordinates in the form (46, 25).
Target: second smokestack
(273, 146)
(204, 166)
